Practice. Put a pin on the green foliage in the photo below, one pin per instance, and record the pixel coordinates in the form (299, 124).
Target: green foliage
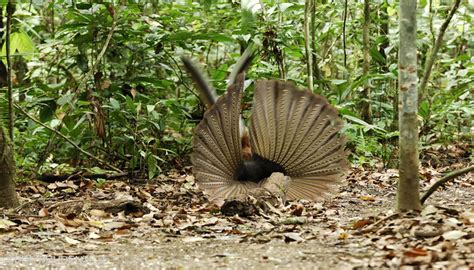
(100, 182)
(134, 106)
(20, 43)
(370, 143)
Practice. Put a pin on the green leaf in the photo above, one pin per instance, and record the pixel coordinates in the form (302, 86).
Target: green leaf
(248, 21)
(150, 108)
(55, 122)
(423, 109)
(152, 166)
(377, 56)
(65, 99)
(285, 6)
(47, 111)
(213, 37)
(362, 122)
(338, 82)
(83, 5)
(185, 36)
(19, 42)
(115, 103)
(178, 36)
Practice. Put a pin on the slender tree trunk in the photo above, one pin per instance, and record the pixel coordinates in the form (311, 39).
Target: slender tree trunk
(316, 71)
(3, 67)
(11, 112)
(317, 74)
(383, 15)
(308, 7)
(408, 196)
(344, 24)
(437, 45)
(8, 197)
(391, 87)
(53, 28)
(366, 110)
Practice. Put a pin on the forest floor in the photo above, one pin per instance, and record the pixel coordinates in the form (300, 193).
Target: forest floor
(168, 223)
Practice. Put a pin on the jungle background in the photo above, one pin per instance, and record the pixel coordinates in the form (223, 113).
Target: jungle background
(100, 89)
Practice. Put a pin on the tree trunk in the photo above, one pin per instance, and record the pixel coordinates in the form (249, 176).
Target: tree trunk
(11, 112)
(437, 45)
(383, 32)
(366, 110)
(408, 196)
(308, 7)
(344, 24)
(8, 196)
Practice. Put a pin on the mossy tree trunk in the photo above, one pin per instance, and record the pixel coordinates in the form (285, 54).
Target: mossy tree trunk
(8, 197)
(408, 196)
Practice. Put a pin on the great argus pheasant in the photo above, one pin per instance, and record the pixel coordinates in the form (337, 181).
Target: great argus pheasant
(293, 134)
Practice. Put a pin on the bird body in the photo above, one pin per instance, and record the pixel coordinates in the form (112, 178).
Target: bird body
(293, 138)
(257, 169)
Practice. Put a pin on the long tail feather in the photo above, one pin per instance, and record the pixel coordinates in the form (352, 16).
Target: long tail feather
(207, 93)
(300, 131)
(242, 64)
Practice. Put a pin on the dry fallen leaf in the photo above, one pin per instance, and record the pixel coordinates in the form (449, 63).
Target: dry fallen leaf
(293, 237)
(414, 252)
(93, 235)
(108, 226)
(361, 223)
(5, 224)
(71, 241)
(43, 212)
(453, 235)
(468, 216)
(343, 236)
(429, 210)
(367, 198)
(192, 239)
(96, 223)
(98, 213)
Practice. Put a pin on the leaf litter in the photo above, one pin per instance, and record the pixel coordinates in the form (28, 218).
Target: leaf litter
(169, 223)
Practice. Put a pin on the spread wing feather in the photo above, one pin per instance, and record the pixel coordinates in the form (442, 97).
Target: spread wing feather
(300, 131)
(217, 146)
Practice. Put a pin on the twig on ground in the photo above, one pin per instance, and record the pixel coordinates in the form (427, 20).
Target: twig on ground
(375, 225)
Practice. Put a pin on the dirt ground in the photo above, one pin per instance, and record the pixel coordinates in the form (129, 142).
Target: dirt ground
(169, 224)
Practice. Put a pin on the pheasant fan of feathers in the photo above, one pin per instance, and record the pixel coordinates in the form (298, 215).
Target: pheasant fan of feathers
(292, 131)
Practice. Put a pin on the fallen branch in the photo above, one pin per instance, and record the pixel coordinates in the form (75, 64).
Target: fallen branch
(443, 180)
